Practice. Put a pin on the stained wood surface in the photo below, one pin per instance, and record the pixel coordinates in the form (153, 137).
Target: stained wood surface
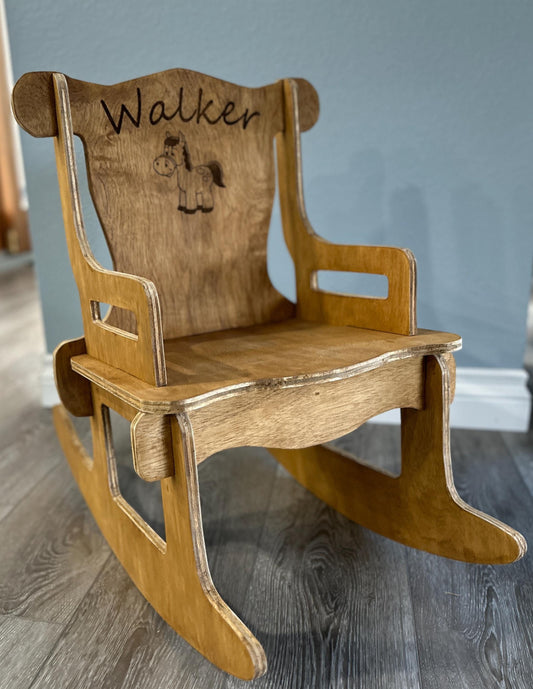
(420, 507)
(198, 227)
(203, 367)
(296, 417)
(74, 391)
(209, 268)
(140, 353)
(151, 443)
(337, 605)
(311, 253)
(172, 574)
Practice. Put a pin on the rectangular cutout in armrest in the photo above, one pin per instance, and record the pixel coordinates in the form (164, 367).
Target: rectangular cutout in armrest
(114, 318)
(370, 285)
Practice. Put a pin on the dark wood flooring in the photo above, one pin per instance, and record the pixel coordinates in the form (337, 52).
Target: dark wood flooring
(334, 605)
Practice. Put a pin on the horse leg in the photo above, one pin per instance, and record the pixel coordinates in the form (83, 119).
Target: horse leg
(207, 200)
(191, 204)
(182, 203)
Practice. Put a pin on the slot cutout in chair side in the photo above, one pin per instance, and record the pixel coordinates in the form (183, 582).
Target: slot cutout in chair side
(142, 497)
(107, 316)
(350, 283)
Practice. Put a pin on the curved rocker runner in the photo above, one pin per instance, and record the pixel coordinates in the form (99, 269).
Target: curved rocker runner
(199, 352)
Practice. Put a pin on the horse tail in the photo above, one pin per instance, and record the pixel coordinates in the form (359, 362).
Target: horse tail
(216, 171)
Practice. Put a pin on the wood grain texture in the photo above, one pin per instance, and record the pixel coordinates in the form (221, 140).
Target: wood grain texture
(142, 650)
(520, 446)
(24, 647)
(33, 102)
(148, 235)
(310, 253)
(151, 443)
(205, 367)
(142, 353)
(420, 508)
(21, 342)
(173, 574)
(332, 603)
(473, 623)
(48, 565)
(25, 431)
(36, 441)
(338, 612)
(264, 417)
(206, 262)
(180, 167)
(74, 390)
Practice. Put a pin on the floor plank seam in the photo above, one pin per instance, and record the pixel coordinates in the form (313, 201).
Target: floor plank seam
(35, 487)
(31, 618)
(11, 508)
(413, 620)
(516, 464)
(69, 622)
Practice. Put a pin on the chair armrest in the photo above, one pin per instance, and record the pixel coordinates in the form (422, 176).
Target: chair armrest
(141, 354)
(396, 313)
(310, 253)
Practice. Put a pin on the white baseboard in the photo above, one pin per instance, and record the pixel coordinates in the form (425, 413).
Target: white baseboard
(495, 399)
(49, 396)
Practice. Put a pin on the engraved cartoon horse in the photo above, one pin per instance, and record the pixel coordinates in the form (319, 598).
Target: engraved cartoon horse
(194, 183)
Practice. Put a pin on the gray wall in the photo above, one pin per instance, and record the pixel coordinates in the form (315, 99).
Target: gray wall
(425, 138)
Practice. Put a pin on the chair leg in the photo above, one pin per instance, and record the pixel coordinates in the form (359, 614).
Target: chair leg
(420, 508)
(173, 575)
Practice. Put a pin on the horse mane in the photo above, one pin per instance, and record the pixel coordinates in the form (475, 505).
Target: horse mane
(186, 155)
(174, 141)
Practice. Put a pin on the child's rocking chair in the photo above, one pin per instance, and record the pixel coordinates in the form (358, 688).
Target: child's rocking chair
(200, 352)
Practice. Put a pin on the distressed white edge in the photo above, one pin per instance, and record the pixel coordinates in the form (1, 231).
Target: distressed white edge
(494, 399)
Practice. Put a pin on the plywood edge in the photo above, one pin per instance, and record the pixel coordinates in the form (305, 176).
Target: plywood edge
(152, 400)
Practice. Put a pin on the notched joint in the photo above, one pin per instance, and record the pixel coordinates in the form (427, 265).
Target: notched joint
(151, 443)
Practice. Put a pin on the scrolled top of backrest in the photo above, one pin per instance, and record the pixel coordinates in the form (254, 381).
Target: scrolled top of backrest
(181, 171)
(34, 108)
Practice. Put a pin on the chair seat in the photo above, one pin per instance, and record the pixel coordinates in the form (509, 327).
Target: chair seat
(277, 354)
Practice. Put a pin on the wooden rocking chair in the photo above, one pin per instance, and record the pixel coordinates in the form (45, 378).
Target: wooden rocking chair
(200, 352)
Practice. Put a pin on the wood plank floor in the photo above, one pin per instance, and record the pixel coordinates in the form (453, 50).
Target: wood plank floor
(334, 605)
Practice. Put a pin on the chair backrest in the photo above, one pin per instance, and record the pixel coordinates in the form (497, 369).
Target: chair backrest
(181, 171)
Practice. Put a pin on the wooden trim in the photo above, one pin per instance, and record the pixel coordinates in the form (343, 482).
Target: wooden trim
(265, 417)
(171, 400)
